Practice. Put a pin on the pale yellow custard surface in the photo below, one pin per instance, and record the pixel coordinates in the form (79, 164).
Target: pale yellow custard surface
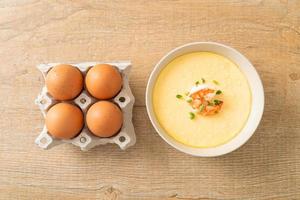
(203, 131)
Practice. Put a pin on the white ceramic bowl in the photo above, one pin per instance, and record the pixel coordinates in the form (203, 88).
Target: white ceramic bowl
(256, 88)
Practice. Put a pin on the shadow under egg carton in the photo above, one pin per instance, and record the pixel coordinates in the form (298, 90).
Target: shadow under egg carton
(86, 140)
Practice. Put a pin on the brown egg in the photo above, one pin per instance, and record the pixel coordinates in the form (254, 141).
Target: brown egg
(103, 81)
(64, 82)
(64, 121)
(104, 119)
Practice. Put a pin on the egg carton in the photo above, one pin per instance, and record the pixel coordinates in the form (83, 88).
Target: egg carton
(86, 140)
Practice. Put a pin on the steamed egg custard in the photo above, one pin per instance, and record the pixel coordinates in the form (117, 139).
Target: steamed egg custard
(201, 99)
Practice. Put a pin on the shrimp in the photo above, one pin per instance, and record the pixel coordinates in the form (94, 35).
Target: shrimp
(204, 101)
(211, 110)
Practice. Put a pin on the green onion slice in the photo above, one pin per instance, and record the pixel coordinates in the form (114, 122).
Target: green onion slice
(216, 82)
(201, 108)
(192, 115)
(178, 96)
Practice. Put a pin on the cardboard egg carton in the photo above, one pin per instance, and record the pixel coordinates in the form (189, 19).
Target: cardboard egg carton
(86, 140)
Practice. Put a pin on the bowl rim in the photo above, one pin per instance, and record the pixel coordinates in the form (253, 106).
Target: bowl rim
(257, 97)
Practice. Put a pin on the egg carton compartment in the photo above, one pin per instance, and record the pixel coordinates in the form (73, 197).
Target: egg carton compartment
(85, 139)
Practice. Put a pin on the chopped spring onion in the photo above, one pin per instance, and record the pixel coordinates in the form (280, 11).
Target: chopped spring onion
(192, 115)
(178, 96)
(201, 108)
(216, 82)
(217, 102)
(189, 100)
(219, 92)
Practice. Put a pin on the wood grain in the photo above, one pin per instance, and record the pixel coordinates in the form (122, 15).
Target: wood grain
(33, 32)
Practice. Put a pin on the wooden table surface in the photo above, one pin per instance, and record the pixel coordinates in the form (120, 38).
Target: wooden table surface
(36, 31)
